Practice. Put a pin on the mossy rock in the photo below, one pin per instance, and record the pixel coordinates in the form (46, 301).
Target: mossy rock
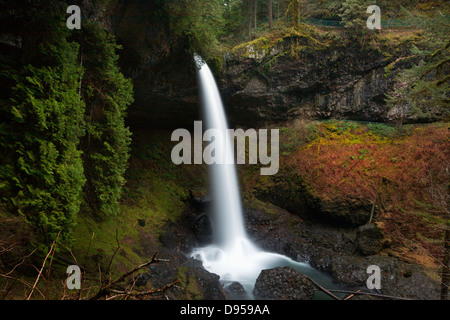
(256, 49)
(198, 283)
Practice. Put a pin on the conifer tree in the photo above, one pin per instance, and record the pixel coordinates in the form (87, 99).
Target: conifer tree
(107, 94)
(41, 170)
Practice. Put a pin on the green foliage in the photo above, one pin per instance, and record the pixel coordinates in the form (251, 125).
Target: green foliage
(44, 121)
(198, 21)
(353, 13)
(421, 92)
(106, 146)
(62, 131)
(323, 9)
(235, 17)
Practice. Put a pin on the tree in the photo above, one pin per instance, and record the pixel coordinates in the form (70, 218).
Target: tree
(42, 122)
(62, 107)
(255, 11)
(353, 13)
(197, 23)
(250, 10)
(295, 12)
(270, 15)
(421, 92)
(106, 145)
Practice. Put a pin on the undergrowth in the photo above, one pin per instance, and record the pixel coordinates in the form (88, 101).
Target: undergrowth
(404, 171)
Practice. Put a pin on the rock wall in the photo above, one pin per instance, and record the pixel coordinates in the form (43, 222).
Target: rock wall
(301, 77)
(300, 74)
(158, 62)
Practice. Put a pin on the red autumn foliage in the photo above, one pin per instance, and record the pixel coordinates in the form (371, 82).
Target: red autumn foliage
(401, 173)
(358, 163)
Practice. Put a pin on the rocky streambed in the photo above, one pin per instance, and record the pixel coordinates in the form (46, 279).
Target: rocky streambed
(345, 253)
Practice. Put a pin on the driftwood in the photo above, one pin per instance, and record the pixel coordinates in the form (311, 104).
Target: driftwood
(141, 294)
(320, 288)
(106, 289)
(351, 293)
(368, 294)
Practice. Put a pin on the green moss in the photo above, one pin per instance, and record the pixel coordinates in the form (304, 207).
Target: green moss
(307, 35)
(139, 224)
(268, 65)
(153, 196)
(388, 69)
(189, 284)
(302, 37)
(216, 64)
(256, 49)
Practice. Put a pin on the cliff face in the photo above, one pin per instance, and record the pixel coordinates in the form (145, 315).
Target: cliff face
(298, 76)
(303, 73)
(158, 62)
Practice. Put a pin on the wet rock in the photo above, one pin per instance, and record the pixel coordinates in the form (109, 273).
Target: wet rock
(369, 239)
(194, 282)
(348, 211)
(235, 288)
(235, 291)
(349, 271)
(200, 283)
(199, 198)
(283, 283)
(398, 278)
(202, 227)
(163, 74)
(321, 261)
(339, 251)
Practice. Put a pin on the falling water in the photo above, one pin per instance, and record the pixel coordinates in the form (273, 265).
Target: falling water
(233, 256)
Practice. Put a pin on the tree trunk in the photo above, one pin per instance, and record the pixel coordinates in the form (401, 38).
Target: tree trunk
(278, 10)
(295, 12)
(256, 7)
(270, 15)
(250, 20)
(445, 282)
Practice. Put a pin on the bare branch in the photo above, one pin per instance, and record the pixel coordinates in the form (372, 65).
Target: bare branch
(40, 271)
(142, 294)
(104, 290)
(328, 292)
(369, 294)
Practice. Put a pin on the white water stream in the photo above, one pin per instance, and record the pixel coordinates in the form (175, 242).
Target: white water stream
(233, 256)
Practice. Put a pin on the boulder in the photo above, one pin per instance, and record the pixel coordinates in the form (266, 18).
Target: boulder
(283, 283)
(398, 278)
(235, 291)
(289, 191)
(369, 239)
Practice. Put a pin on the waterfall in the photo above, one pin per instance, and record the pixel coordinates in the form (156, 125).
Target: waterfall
(224, 183)
(232, 256)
